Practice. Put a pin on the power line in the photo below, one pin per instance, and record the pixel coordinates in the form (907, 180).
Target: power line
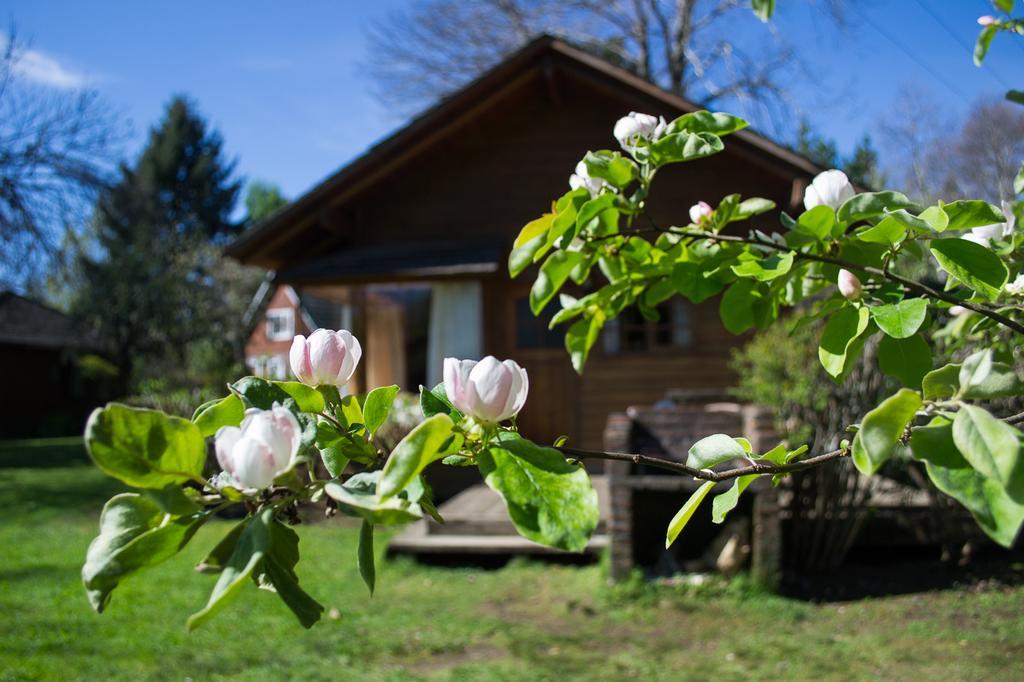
(961, 42)
(888, 36)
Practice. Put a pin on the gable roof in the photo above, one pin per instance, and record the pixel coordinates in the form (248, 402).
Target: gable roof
(542, 54)
(24, 322)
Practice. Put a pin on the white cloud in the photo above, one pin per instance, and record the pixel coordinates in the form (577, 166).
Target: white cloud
(42, 69)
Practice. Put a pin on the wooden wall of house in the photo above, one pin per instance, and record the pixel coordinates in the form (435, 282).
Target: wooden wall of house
(504, 168)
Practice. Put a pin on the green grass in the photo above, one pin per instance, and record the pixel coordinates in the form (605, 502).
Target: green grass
(528, 621)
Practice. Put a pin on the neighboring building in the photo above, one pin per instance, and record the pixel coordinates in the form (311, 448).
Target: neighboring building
(275, 316)
(414, 235)
(54, 374)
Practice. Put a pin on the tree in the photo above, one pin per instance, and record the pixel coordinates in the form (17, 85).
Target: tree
(149, 280)
(261, 200)
(816, 147)
(57, 150)
(862, 165)
(686, 46)
(934, 156)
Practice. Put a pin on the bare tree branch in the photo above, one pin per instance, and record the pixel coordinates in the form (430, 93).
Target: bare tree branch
(57, 148)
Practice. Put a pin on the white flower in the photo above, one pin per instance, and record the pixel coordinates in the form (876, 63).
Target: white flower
(581, 178)
(262, 448)
(1016, 287)
(700, 212)
(957, 310)
(986, 233)
(830, 188)
(629, 130)
(326, 358)
(489, 390)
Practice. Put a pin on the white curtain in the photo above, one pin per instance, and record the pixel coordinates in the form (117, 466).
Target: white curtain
(456, 325)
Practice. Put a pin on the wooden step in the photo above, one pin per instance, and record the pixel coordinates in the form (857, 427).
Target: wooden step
(416, 540)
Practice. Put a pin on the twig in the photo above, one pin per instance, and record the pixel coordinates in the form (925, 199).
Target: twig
(707, 474)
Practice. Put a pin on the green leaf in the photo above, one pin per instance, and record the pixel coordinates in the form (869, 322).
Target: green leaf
(248, 553)
(695, 280)
(365, 558)
(714, 449)
(901, 320)
(936, 217)
(306, 397)
(992, 447)
(964, 215)
(764, 9)
(219, 556)
(435, 401)
(871, 205)
(737, 306)
(909, 359)
(612, 167)
(278, 571)
(839, 337)
(581, 337)
(685, 513)
(135, 533)
(1018, 180)
(421, 446)
(753, 206)
(144, 448)
(377, 406)
(888, 231)
(706, 122)
(941, 383)
(881, 429)
(996, 513)
(357, 497)
(982, 44)
(522, 257)
(982, 378)
(551, 277)
(684, 146)
(817, 222)
(533, 229)
(764, 269)
(973, 264)
(549, 500)
(727, 501)
(210, 416)
(263, 394)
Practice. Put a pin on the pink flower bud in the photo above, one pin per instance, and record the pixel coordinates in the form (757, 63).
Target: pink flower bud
(700, 212)
(325, 358)
(849, 285)
(957, 310)
(986, 20)
(262, 448)
(488, 390)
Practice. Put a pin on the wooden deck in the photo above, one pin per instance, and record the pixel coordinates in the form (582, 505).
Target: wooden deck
(477, 523)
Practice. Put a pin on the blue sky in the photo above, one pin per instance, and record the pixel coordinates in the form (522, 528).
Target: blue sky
(282, 83)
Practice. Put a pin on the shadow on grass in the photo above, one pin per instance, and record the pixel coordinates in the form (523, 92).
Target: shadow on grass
(42, 452)
(907, 573)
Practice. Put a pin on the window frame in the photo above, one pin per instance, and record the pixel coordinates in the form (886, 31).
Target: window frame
(288, 329)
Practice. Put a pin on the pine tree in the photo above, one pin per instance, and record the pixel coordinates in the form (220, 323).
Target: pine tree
(148, 282)
(815, 147)
(862, 165)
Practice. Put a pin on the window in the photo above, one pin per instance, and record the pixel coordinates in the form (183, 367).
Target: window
(280, 324)
(631, 332)
(268, 366)
(532, 333)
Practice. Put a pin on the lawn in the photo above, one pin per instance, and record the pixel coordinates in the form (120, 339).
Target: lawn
(527, 621)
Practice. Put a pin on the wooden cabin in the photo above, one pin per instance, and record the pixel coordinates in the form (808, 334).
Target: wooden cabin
(423, 222)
